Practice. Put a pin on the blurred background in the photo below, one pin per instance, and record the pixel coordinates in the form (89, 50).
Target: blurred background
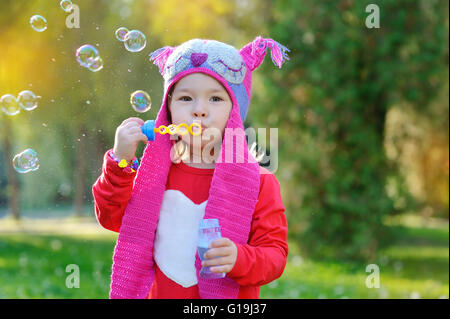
(363, 147)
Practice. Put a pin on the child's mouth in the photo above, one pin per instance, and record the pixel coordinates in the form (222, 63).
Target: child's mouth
(196, 128)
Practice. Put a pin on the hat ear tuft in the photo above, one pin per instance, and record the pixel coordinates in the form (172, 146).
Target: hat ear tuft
(160, 56)
(254, 52)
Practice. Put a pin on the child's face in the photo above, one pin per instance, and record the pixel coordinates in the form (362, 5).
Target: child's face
(199, 97)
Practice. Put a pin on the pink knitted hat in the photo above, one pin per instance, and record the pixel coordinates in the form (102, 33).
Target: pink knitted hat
(234, 187)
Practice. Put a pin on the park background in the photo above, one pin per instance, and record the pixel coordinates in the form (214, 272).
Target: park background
(362, 117)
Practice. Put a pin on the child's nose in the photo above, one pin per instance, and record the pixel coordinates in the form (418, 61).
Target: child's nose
(199, 113)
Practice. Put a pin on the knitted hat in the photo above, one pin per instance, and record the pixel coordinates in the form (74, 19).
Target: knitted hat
(234, 187)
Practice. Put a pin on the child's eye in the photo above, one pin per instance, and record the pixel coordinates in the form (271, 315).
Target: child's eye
(217, 98)
(187, 98)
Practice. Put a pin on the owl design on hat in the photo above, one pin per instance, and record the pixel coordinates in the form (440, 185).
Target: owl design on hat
(223, 60)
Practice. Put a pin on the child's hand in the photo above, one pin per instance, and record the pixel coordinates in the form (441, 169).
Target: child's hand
(227, 251)
(128, 135)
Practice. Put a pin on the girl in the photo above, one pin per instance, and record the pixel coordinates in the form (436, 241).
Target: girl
(156, 210)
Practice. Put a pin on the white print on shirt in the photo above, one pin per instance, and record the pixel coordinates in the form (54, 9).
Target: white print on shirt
(176, 237)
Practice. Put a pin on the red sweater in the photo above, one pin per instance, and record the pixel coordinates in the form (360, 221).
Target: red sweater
(259, 262)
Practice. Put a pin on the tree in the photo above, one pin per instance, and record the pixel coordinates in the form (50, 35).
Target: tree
(335, 93)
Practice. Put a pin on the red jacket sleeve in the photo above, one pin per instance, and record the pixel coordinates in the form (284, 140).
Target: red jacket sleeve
(263, 258)
(111, 192)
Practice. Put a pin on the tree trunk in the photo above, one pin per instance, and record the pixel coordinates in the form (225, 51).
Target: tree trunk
(13, 181)
(80, 169)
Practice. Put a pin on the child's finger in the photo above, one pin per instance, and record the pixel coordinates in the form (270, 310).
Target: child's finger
(133, 119)
(141, 137)
(221, 242)
(216, 252)
(220, 261)
(135, 129)
(131, 124)
(223, 268)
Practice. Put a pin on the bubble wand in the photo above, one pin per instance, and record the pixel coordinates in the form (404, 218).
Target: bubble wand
(149, 129)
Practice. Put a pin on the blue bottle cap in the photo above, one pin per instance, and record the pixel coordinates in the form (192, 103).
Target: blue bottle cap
(208, 223)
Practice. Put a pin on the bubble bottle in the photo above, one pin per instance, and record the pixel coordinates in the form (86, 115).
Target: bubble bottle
(209, 230)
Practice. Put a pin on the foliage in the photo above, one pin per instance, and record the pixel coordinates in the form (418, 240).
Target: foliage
(335, 93)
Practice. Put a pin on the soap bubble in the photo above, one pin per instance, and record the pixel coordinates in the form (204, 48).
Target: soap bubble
(97, 65)
(38, 23)
(86, 55)
(26, 161)
(27, 100)
(135, 41)
(9, 105)
(141, 101)
(121, 33)
(66, 5)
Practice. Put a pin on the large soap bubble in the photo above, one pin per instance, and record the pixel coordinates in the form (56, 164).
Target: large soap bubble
(135, 41)
(27, 100)
(89, 57)
(26, 161)
(38, 23)
(9, 105)
(86, 55)
(141, 101)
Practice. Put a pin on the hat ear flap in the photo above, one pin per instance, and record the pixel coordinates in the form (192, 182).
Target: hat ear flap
(160, 56)
(254, 52)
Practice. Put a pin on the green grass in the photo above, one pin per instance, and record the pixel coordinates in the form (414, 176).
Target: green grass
(416, 266)
(34, 266)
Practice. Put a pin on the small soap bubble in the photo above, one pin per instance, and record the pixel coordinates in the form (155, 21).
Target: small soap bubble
(27, 100)
(87, 55)
(97, 65)
(66, 5)
(141, 101)
(9, 105)
(38, 23)
(135, 41)
(121, 33)
(26, 161)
